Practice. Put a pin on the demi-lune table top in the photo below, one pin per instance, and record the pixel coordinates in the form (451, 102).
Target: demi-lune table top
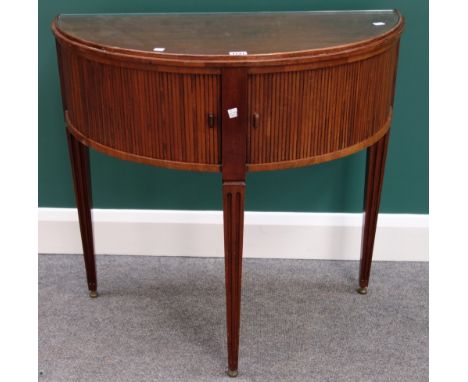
(224, 34)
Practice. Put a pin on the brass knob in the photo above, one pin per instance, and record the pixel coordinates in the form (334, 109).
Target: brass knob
(256, 120)
(211, 120)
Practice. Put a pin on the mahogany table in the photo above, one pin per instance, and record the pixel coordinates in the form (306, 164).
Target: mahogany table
(231, 93)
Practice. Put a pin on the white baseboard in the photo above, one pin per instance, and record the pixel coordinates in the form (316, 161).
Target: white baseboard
(291, 235)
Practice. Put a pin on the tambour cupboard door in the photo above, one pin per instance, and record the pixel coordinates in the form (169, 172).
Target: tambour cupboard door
(146, 111)
(306, 114)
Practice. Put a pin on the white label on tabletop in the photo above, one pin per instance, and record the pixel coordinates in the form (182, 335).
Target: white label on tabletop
(159, 49)
(378, 23)
(238, 53)
(232, 112)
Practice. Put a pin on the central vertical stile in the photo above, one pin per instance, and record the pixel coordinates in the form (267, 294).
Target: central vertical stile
(234, 156)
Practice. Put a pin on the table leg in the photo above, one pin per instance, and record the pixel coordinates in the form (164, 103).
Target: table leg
(79, 158)
(233, 208)
(376, 155)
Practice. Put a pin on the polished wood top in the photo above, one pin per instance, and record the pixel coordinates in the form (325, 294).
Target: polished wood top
(218, 34)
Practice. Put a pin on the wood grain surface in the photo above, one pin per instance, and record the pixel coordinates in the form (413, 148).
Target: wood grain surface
(308, 114)
(217, 34)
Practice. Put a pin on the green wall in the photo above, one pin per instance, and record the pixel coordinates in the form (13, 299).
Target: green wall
(333, 187)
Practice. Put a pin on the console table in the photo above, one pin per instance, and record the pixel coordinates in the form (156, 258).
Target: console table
(232, 93)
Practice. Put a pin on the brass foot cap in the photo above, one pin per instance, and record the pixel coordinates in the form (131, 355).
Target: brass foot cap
(232, 373)
(362, 290)
(93, 294)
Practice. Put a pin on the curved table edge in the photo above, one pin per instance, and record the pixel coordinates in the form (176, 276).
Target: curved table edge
(358, 50)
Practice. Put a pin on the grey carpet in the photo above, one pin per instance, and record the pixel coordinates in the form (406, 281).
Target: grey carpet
(163, 319)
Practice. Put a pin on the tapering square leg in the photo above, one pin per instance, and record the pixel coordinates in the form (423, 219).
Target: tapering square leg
(233, 208)
(376, 155)
(79, 158)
